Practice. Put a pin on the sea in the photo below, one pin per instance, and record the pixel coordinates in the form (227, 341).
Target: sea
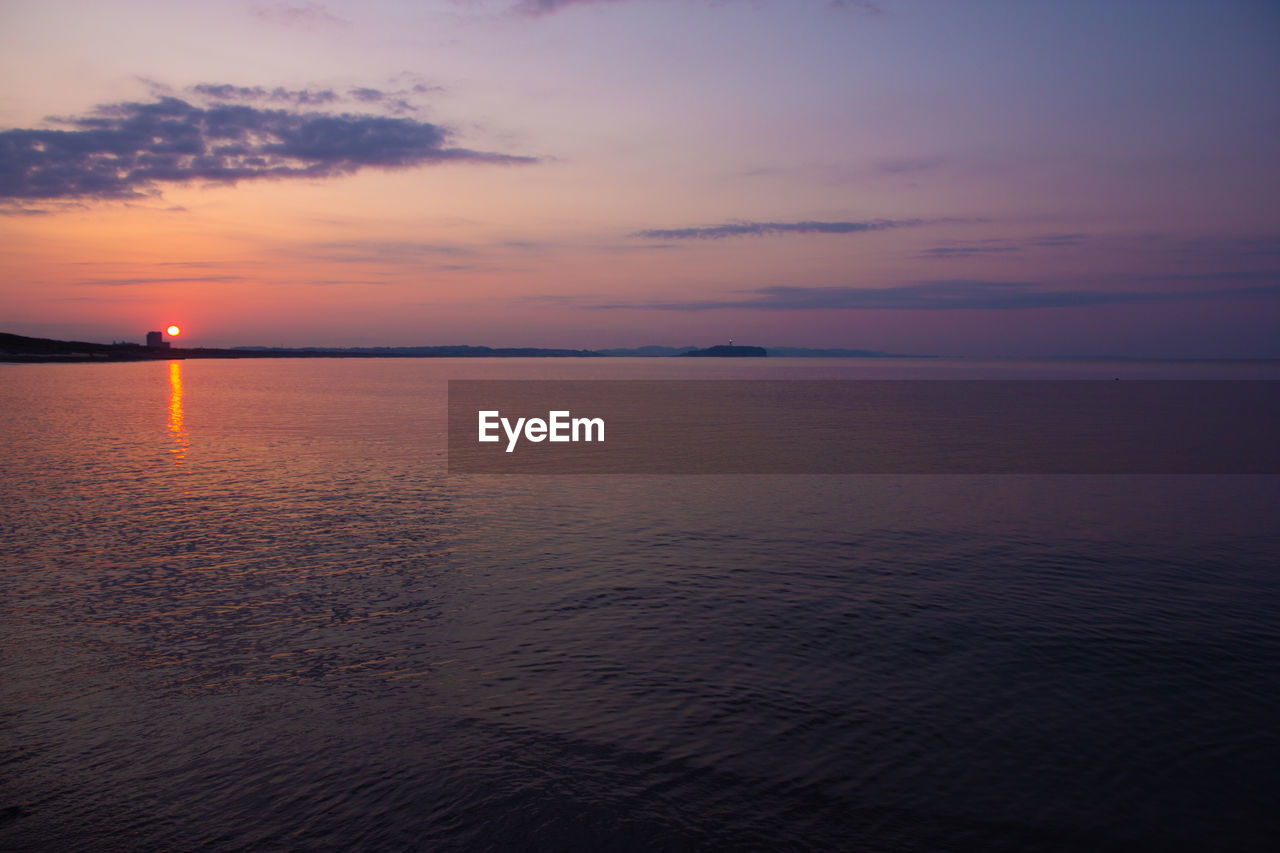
(244, 605)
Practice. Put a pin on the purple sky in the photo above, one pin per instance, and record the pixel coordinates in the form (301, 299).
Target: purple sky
(978, 178)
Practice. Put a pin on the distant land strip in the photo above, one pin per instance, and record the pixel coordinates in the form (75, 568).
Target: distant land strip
(19, 348)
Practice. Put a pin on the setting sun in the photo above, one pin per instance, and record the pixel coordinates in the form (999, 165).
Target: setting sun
(173, 330)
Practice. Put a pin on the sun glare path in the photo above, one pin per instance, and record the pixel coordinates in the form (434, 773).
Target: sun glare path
(177, 428)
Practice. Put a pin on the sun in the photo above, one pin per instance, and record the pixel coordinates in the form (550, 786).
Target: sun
(173, 330)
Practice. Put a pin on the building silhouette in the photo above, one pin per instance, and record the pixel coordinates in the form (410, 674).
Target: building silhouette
(154, 340)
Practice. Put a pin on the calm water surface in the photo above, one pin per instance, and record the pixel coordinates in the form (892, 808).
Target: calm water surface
(243, 606)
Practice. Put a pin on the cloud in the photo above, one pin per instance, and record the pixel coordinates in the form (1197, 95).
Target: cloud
(860, 7)
(408, 253)
(948, 295)
(953, 252)
(977, 248)
(1218, 249)
(1058, 240)
(325, 282)
(127, 149)
(298, 97)
(380, 251)
(1239, 275)
(536, 8)
(758, 229)
(919, 164)
(121, 282)
(395, 102)
(304, 16)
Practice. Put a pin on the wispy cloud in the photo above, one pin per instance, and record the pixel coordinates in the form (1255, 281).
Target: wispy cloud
(325, 282)
(536, 8)
(379, 251)
(304, 16)
(128, 149)
(397, 102)
(1236, 275)
(297, 97)
(918, 164)
(101, 298)
(1218, 249)
(861, 7)
(946, 295)
(399, 257)
(392, 101)
(1059, 240)
(760, 229)
(121, 282)
(978, 248)
(954, 252)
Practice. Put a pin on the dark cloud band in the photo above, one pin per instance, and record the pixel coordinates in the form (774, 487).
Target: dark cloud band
(127, 149)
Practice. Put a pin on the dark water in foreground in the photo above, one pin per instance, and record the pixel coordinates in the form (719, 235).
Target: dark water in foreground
(243, 606)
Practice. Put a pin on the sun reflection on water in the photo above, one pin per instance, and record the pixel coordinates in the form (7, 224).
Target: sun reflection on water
(176, 427)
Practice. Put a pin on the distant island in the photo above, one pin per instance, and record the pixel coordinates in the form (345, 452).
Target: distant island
(773, 352)
(728, 351)
(19, 348)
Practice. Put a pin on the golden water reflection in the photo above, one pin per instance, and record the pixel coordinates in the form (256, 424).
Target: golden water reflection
(176, 427)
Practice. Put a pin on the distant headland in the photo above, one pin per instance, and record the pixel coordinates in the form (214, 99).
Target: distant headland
(728, 351)
(19, 348)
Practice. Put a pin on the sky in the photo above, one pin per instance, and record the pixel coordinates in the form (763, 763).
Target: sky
(960, 177)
